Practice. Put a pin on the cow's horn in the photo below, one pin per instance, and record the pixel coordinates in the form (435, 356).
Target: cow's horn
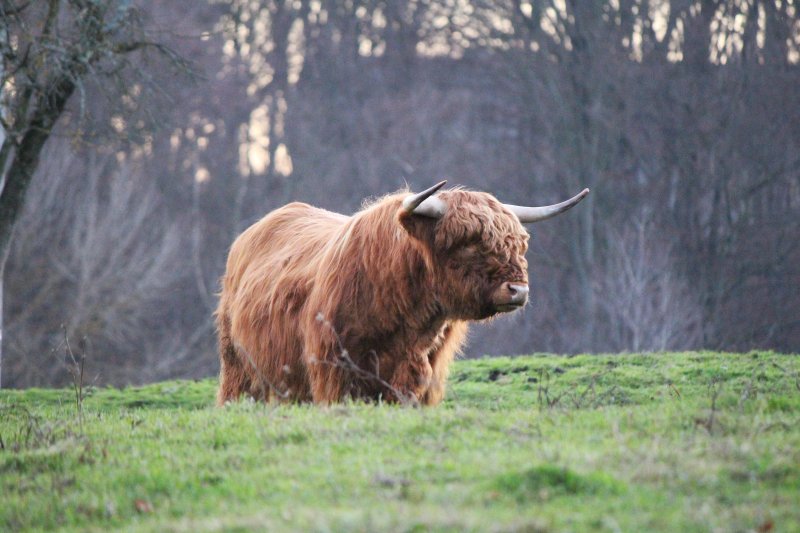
(423, 203)
(535, 214)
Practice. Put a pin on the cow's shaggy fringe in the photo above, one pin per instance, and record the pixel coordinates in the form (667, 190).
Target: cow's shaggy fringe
(346, 362)
(394, 292)
(267, 389)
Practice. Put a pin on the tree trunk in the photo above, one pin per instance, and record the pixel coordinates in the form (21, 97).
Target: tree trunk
(1, 325)
(22, 164)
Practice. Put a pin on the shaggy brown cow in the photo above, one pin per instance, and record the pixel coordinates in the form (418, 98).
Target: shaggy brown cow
(318, 306)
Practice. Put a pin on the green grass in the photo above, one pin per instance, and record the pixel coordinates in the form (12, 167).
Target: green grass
(671, 442)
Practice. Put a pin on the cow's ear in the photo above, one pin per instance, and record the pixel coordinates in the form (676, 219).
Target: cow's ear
(418, 226)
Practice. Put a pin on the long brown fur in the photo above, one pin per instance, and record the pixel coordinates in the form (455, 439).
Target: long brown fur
(318, 306)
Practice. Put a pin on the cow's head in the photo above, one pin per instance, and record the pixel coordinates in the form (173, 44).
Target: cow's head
(477, 247)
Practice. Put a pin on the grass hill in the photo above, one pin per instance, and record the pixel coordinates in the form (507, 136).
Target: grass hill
(695, 441)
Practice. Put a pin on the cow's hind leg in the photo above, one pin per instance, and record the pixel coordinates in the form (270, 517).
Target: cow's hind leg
(233, 380)
(233, 377)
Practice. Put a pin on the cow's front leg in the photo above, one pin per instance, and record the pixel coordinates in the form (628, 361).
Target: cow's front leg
(410, 380)
(453, 336)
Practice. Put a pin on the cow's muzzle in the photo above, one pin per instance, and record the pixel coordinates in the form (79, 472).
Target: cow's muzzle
(509, 296)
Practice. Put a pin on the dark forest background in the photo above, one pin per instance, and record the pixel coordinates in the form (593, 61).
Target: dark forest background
(683, 117)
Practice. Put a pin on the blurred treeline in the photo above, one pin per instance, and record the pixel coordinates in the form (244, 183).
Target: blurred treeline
(682, 116)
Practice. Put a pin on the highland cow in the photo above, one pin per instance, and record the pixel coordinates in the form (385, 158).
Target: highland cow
(318, 306)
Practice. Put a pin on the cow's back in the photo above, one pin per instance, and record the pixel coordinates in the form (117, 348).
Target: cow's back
(267, 279)
(286, 238)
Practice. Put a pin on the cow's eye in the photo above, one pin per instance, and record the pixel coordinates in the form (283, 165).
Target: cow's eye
(468, 250)
(463, 256)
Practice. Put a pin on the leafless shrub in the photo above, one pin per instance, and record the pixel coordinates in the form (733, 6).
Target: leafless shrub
(791, 374)
(647, 305)
(711, 421)
(76, 368)
(97, 255)
(21, 430)
(575, 395)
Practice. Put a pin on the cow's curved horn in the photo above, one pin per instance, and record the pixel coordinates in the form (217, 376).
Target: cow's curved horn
(423, 203)
(535, 214)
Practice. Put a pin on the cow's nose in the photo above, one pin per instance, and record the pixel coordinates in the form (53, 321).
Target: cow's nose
(509, 296)
(518, 293)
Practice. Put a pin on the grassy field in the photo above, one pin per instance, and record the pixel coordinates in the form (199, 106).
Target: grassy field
(668, 442)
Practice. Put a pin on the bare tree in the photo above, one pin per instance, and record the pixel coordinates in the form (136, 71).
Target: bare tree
(49, 52)
(686, 110)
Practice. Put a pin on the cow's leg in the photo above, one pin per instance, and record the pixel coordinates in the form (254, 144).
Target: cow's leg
(440, 369)
(411, 378)
(440, 361)
(233, 378)
(326, 382)
(326, 374)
